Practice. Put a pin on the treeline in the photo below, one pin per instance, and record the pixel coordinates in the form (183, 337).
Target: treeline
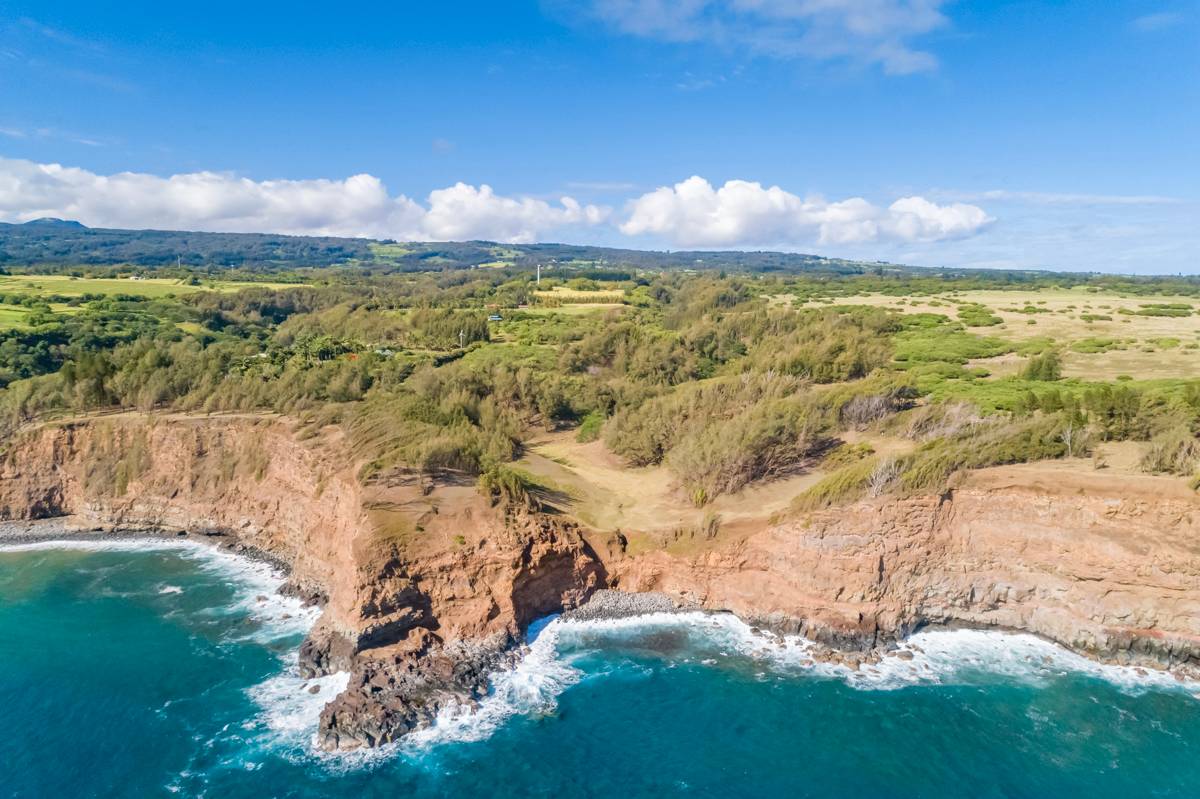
(709, 376)
(59, 244)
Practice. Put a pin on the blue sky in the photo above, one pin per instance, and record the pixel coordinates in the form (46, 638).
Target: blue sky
(1040, 134)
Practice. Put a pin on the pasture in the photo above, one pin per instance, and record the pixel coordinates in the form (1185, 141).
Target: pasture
(1102, 335)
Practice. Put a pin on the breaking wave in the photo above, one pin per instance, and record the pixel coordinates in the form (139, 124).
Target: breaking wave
(256, 582)
(936, 657)
(289, 706)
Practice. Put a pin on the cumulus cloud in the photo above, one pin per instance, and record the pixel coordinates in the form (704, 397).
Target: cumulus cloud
(467, 212)
(744, 213)
(356, 206)
(692, 213)
(872, 31)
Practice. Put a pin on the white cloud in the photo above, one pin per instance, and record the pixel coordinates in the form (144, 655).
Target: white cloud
(467, 212)
(743, 213)
(356, 206)
(692, 213)
(48, 133)
(1058, 198)
(1148, 23)
(870, 31)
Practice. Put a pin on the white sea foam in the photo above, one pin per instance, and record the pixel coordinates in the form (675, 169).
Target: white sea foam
(945, 657)
(531, 687)
(290, 710)
(257, 582)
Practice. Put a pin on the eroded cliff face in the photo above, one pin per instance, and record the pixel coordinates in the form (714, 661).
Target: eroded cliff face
(1109, 566)
(427, 585)
(412, 575)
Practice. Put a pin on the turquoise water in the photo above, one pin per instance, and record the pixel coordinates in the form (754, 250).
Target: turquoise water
(162, 673)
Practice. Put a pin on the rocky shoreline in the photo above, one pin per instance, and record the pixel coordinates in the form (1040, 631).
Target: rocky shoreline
(609, 604)
(427, 587)
(67, 529)
(397, 690)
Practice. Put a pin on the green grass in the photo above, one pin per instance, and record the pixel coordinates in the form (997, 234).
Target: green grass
(572, 310)
(12, 317)
(945, 344)
(193, 328)
(1095, 345)
(390, 250)
(45, 285)
(17, 316)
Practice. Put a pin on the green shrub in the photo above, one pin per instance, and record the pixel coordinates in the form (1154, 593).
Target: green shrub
(1173, 451)
(1095, 345)
(768, 440)
(1165, 309)
(508, 485)
(996, 443)
(590, 427)
(1046, 367)
(846, 484)
(974, 315)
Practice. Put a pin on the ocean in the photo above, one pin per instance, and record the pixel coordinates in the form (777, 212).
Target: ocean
(140, 669)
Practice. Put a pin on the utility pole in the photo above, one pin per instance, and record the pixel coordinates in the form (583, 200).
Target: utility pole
(539, 277)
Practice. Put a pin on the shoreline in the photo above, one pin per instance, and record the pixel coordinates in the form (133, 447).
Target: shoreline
(616, 605)
(60, 528)
(603, 605)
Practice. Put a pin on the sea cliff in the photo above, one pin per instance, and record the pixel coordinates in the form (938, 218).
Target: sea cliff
(427, 586)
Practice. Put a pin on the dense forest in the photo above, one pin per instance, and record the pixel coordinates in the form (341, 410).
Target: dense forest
(58, 245)
(724, 379)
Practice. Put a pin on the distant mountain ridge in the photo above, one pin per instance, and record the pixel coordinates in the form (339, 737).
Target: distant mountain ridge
(54, 221)
(59, 243)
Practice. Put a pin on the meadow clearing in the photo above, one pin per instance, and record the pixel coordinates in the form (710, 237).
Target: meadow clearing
(54, 286)
(1102, 335)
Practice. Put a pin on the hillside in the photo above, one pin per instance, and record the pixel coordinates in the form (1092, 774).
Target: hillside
(60, 244)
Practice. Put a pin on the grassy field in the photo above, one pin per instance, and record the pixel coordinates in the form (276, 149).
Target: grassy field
(574, 309)
(648, 504)
(565, 296)
(148, 287)
(1103, 335)
(15, 316)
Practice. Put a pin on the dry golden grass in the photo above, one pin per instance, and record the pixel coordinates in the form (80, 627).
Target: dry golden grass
(1142, 355)
(608, 495)
(566, 296)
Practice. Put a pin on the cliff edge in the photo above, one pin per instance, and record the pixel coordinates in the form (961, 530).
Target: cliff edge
(427, 585)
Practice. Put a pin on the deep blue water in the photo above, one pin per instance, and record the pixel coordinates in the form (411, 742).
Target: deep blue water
(156, 673)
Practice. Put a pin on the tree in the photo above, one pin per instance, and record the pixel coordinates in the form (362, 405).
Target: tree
(1046, 367)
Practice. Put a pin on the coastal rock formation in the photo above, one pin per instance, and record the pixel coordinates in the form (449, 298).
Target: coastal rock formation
(413, 575)
(1106, 566)
(427, 586)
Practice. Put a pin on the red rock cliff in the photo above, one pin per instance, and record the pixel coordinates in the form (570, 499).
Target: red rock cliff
(427, 583)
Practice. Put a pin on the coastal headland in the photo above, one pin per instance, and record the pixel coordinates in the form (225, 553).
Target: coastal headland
(427, 584)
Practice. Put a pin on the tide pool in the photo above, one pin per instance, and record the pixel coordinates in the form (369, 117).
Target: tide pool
(134, 669)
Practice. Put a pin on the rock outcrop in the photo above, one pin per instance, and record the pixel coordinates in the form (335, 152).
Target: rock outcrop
(426, 586)
(413, 575)
(1107, 566)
